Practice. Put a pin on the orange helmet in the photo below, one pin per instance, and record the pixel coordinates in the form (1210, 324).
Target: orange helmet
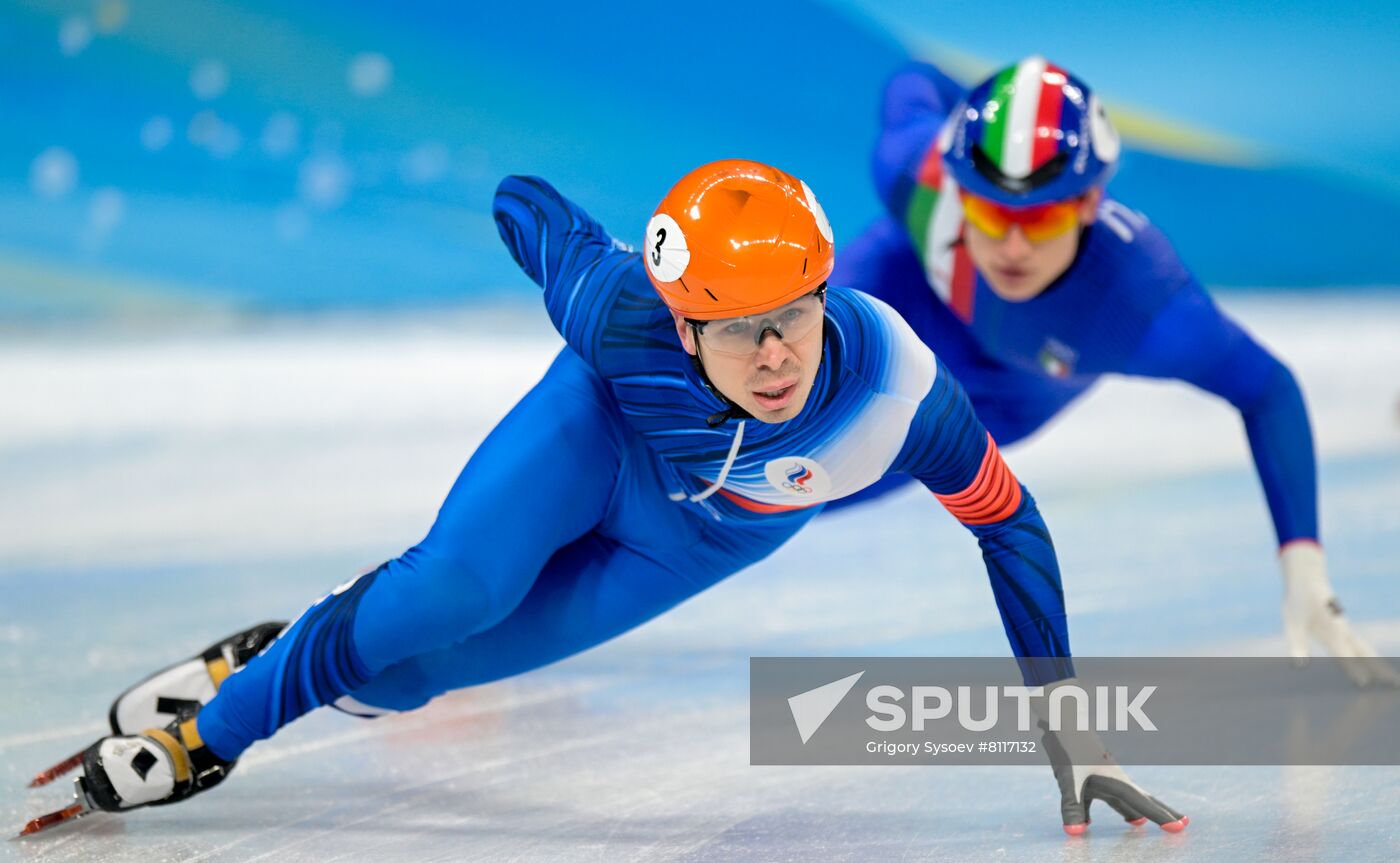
(734, 238)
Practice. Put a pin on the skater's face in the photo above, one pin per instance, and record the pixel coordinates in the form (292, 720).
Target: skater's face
(772, 378)
(1019, 262)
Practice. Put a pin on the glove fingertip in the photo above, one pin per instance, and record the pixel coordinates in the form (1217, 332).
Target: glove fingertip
(1138, 821)
(1076, 829)
(1176, 826)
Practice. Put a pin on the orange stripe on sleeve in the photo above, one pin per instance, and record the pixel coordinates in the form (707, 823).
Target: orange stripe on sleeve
(992, 496)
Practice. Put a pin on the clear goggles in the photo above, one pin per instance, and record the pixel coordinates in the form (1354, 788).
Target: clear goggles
(741, 337)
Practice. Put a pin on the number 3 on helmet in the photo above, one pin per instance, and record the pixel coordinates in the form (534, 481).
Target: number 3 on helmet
(735, 238)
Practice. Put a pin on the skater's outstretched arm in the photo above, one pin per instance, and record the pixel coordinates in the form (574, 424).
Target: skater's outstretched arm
(955, 457)
(1193, 340)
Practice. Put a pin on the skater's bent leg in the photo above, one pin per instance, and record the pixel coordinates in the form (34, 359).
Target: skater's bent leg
(591, 591)
(540, 480)
(648, 555)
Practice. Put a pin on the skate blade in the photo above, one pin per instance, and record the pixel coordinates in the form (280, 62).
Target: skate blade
(62, 816)
(44, 777)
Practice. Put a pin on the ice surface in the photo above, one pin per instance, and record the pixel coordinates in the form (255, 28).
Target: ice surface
(156, 492)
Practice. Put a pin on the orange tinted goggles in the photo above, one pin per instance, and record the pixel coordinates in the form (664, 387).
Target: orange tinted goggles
(1039, 223)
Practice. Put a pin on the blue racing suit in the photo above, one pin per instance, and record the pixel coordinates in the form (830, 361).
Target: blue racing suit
(1126, 305)
(609, 494)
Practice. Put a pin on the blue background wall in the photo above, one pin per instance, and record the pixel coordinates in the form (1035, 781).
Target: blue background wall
(298, 155)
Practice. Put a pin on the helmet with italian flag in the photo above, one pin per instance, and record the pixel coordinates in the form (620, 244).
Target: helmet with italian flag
(1030, 134)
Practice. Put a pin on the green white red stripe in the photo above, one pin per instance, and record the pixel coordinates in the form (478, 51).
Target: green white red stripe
(1022, 116)
(919, 214)
(934, 221)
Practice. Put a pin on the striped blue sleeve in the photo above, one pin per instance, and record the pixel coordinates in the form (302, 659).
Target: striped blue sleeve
(951, 453)
(568, 254)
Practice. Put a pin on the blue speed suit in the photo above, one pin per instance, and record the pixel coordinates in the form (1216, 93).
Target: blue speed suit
(1126, 305)
(605, 497)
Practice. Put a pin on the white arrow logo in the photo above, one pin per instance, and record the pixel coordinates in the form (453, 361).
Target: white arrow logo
(811, 708)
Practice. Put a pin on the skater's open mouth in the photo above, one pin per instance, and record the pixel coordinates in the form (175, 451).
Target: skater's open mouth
(774, 398)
